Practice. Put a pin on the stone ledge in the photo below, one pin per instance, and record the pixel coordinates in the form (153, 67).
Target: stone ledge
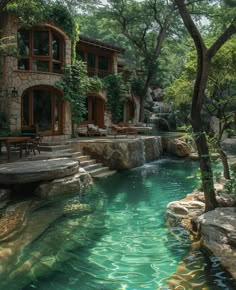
(29, 172)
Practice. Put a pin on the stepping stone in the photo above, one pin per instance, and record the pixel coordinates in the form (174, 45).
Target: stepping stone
(35, 171)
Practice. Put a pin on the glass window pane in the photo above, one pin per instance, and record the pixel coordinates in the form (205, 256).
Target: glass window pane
(91, 61)
(55, 47)
(23, 42)
(23, 64)
(56, 68)
(41, 43)
(26, 121)
(103, 63)
(40, 65)
(42, 104)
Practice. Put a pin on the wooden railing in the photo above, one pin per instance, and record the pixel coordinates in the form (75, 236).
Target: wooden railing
(97, 72)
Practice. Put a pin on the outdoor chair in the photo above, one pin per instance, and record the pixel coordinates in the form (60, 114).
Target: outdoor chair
(95, 131)
(35, 138)
(127, 128)
(121, 130)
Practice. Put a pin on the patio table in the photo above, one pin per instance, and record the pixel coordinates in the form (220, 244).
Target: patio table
(13, 140)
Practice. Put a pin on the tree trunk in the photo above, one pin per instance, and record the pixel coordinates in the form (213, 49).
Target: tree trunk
(200, 137)
(224, 161)
(143, 97)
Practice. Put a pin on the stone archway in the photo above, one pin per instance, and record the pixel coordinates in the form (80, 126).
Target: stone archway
(42, 106)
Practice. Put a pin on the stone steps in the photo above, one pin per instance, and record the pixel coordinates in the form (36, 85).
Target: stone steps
(98, 171)
(84, 158)
(61, 149)
(51, 148)
(92, 167)
(104, 174)
(87, 162)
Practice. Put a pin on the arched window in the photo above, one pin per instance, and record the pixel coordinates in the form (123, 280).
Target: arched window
(40, 50)
(43, 106)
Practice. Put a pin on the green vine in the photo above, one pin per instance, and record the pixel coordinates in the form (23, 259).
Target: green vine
(116, 89)
(75, 85)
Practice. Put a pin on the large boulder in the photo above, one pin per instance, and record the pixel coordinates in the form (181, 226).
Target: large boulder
(176, 147)
(153, 148)
(181, 212)
(67, 185)
(123, 154)
(218, 234)
(116, 155)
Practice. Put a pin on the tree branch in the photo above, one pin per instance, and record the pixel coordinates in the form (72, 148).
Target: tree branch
(222, 39)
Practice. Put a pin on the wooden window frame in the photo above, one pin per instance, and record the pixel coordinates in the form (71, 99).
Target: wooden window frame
(49, 57)
(53, 92)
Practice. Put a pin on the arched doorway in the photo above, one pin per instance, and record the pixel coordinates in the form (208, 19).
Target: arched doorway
(42, 106)
(128, 110)
(96, 111)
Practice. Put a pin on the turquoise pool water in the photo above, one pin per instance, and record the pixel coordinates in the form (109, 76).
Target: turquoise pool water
(117, 240)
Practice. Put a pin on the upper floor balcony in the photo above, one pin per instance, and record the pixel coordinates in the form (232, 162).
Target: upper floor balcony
(100, 57)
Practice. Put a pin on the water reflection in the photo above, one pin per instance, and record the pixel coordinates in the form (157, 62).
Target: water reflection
(113, 236)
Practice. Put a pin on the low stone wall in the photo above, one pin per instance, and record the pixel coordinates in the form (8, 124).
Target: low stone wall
(122, 154)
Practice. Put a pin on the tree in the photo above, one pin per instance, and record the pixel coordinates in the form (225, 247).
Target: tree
(204, 58)
(146, 24)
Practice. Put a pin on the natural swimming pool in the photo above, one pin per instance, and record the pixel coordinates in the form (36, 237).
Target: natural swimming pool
(117, 238)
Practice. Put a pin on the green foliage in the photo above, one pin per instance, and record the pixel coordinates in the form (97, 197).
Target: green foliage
(62, 17)
(75, 84)
(115, 92)
(230, 186)
(221, 86)
(96, 84)
(137, 86)
(28, 11)
(8, 46)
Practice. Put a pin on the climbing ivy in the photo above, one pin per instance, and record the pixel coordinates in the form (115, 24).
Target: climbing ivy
(116, 90)
(75, 85)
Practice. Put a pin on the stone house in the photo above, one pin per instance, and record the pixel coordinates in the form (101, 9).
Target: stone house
(28, 94)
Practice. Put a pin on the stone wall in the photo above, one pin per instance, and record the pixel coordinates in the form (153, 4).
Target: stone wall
(23, 80)
(122, 154)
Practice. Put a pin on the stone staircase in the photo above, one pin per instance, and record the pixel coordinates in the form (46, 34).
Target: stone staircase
(63, 149)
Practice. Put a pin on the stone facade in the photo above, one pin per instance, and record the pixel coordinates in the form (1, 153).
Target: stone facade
(20, 81)
(23, 80)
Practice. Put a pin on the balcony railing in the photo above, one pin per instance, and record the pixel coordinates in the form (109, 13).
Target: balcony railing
(98, 72)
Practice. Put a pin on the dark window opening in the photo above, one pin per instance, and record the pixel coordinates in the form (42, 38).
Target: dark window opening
(103, 63)
(91, 61)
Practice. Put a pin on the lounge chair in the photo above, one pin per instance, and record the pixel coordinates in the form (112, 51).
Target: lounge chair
(121, 130)
(95, 131)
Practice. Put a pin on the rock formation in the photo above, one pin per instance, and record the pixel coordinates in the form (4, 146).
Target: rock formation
(217, 228)
(176, 147)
